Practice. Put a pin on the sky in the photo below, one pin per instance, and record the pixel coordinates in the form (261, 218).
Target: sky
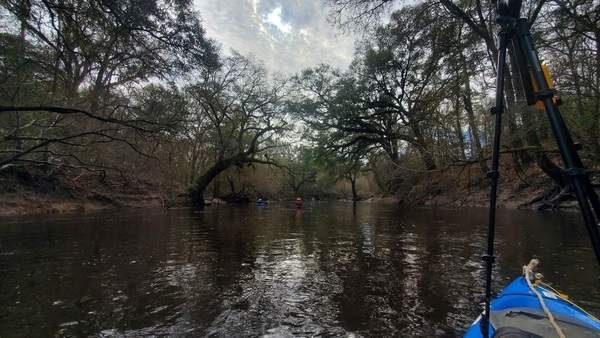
(287, 35)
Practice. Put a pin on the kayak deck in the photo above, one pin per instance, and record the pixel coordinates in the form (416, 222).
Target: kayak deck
(518, 307)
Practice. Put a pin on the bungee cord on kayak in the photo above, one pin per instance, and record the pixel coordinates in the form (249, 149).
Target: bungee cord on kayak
(528, 270)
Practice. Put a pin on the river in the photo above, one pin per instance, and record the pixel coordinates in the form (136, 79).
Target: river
(331, 269)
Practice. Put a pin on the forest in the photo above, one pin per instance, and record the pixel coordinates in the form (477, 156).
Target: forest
(107, 99)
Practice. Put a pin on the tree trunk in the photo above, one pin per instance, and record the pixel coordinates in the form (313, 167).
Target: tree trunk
(473, 126)
(205, 179)
(354, 193)
(423, 149)
(391, 149)
(519, 109)
(352, 177)
(458, 127)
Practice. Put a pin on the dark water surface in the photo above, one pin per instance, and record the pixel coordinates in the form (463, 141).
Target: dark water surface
(328, 270)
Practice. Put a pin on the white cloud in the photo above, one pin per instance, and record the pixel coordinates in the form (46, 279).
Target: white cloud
(274, 18)
(288, 35)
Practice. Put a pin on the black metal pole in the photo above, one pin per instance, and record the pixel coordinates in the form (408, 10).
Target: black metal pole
(517, 31)
(494, 174)
(575, 172)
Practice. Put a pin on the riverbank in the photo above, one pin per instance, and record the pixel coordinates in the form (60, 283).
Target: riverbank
(27, 202)
(31, 193)
(24, 193)
(468, 186)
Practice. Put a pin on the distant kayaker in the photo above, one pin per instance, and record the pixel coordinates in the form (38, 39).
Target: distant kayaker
(298, 202)
(260, 202)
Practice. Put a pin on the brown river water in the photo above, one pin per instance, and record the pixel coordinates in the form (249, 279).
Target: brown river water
(330, 269)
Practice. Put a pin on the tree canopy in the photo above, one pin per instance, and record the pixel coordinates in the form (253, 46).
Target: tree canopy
(136, 89)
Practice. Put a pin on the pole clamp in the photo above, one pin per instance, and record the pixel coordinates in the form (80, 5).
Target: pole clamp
(488, 259)
(493, 174)
(497, 110)
(575, 172)
(544, 93)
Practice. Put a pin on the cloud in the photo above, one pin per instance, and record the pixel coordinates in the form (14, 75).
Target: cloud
(274, 18)
(288, 35)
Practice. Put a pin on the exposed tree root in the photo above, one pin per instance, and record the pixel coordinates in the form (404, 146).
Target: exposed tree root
(551, 199)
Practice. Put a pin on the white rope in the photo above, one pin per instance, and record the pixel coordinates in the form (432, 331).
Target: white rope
(529, 269)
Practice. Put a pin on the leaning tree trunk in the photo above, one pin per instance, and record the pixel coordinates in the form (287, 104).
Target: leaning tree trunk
(204, 180)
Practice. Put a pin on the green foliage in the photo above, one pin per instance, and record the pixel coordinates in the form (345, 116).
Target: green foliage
(244, 114)
(73, 76)
(136, 87)
(390, 99)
